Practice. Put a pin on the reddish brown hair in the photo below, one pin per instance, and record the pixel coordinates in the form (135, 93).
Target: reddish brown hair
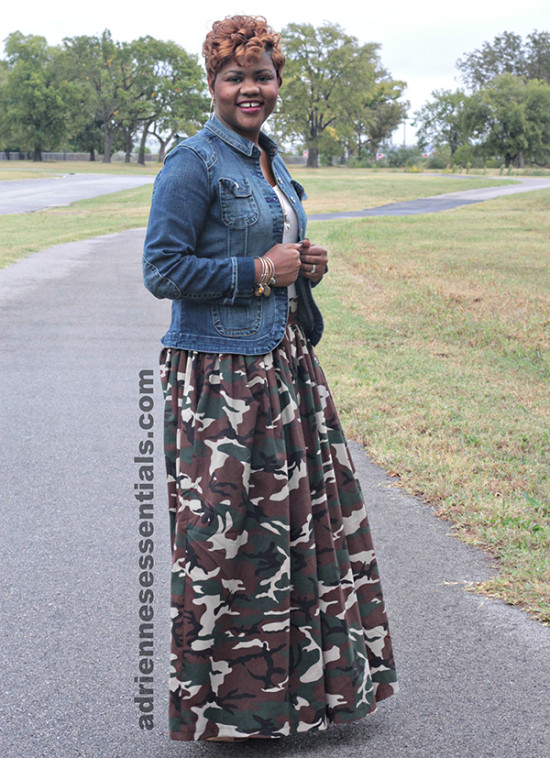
(244, 38)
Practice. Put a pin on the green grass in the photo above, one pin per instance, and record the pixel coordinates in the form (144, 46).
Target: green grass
(437, 349)
(447, 322)
(24, 233)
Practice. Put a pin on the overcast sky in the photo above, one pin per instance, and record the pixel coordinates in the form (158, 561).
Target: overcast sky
(420, 41)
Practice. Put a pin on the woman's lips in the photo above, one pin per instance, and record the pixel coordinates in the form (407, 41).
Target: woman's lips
(250, 106)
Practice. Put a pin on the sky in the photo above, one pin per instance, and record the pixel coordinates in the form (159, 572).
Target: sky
(420, 41)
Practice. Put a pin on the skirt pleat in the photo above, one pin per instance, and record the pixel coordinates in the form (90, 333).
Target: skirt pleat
(278, 620)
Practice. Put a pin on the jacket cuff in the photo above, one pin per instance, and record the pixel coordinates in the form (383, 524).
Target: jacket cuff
(244, 285)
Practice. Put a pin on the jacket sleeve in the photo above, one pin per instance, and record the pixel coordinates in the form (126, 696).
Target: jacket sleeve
(179, 209)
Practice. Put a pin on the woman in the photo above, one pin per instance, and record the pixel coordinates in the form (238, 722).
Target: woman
(278, 621)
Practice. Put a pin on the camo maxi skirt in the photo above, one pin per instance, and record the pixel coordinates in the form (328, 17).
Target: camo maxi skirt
(278, 620)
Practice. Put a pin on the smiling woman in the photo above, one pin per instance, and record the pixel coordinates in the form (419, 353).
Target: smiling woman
(278, 619)
(245, 96)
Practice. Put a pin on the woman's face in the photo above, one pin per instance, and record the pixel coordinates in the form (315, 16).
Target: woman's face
(246, 95)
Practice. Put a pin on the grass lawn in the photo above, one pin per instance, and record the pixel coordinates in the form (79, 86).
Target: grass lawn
(332, 189)
(24, 233)
(438, 353)
(12, 170)
(328, 189)
(437, 348)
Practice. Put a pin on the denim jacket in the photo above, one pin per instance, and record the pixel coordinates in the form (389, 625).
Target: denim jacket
(212, 213)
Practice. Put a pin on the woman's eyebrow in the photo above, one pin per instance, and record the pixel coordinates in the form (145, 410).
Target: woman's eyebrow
(240, 71)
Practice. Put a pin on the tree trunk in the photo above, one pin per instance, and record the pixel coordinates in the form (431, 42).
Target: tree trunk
(128, 147)
(107, 147)
(313, 157)
(37, 154)
(163, 145)
(92, 154)
(521, 159)
(141, 153)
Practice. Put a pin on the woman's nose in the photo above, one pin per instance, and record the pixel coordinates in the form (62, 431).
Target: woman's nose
(250, 85)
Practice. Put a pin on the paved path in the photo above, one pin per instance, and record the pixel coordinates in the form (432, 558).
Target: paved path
(443, 202)
(77, 327)
(26, 195)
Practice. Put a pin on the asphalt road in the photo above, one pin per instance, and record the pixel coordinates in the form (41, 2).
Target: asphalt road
(77, 329)
(27, 195)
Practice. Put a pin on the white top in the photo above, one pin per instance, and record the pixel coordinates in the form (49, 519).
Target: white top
(290, 233)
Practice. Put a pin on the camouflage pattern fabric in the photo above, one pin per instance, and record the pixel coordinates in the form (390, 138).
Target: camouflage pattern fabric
(278, 620)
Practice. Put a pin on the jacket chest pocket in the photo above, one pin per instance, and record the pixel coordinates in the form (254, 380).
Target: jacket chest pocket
(238, 206)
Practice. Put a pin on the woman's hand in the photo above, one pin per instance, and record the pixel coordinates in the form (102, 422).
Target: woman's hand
(313, 260)
(286, 261)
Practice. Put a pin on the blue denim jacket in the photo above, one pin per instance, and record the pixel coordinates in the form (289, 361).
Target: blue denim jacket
(212, 213)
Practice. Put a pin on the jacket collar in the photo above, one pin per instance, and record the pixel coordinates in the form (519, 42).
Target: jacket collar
(239, 142)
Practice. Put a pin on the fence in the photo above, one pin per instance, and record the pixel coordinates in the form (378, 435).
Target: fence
(5, 156)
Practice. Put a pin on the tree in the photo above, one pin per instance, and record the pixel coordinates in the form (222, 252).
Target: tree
(327, 81)
(381, 114)
(538, 55)
(175, 101)
(35, 96)
(538, 119)
(442, 122)
(5, 124)
(136, 85)
(91, 61)
(508, 54)
(507, 115)
(116, 81)
(511, 118)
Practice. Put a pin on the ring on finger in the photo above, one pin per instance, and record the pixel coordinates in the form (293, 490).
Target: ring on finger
(313, 268)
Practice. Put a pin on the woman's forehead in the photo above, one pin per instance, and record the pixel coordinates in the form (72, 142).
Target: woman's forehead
(263, 62)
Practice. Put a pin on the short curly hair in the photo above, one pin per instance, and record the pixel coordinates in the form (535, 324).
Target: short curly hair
(244, 38)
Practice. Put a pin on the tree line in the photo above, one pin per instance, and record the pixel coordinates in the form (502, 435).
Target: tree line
(97, 95)
(94, 94)
(502, 114)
